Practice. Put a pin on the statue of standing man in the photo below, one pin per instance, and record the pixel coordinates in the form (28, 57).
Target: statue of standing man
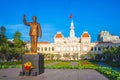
(35, 31)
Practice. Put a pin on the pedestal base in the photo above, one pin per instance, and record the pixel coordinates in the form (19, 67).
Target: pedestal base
(38, 63)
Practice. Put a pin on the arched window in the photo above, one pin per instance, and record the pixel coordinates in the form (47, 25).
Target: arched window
(95, 48)
(49, 48)
(92, 49)
(45, 48)
(99, 49)
(52, 48)
(41, 48)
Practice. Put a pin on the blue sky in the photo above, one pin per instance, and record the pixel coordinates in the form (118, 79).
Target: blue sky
(53, 15)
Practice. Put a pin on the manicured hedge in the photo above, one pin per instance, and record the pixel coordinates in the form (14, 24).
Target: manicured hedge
(49, 61)
(10, 65)
(61, 67)
(108, 72)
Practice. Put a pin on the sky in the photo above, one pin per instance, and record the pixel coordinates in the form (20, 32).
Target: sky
(53, 15)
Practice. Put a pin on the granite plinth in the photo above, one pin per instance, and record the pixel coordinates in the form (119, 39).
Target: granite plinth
(37, 61)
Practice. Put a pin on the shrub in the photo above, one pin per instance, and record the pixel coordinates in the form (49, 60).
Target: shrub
(108, 72)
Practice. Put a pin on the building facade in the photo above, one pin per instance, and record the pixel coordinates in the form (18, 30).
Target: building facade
(105, 36)
(72, 44)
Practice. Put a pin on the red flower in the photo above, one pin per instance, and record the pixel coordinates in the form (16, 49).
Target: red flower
(27, 68)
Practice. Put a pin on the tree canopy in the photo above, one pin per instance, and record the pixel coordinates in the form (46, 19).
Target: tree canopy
(10, 48)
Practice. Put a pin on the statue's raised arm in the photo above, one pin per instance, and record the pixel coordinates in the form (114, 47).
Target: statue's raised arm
(25, 22)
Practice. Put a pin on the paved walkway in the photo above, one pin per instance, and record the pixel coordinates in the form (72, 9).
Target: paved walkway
(53, 74)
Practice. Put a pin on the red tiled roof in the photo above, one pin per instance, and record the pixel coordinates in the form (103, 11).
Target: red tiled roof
(58, 35)
(85, 34)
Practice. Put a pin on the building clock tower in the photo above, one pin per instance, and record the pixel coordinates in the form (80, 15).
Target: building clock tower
(72, 33)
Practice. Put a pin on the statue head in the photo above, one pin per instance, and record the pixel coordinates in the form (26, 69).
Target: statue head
(34, 18)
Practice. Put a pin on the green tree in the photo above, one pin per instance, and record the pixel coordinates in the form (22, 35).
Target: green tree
(111, 54)
(17, 41)
(4, 48)
(3, 38)
(4, 51)
(19, 48)
(118, 54)
(91, 55)
(107, 55)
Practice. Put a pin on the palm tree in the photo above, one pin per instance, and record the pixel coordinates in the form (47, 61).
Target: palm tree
(110, 54)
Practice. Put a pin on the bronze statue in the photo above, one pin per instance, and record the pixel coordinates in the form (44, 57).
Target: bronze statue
(35, 31)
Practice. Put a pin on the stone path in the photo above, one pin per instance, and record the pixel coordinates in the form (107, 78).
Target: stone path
(53, 74)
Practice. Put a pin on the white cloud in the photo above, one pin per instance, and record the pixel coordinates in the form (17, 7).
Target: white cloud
(48, 31)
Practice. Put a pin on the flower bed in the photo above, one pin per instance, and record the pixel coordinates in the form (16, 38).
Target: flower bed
(84, 64)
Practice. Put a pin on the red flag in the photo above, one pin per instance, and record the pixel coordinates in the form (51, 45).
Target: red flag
(71, 16)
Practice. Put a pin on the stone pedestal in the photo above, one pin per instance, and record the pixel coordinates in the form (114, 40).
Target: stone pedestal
(37, 61)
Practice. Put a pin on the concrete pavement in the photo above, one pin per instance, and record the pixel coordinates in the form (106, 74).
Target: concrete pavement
(53, 74)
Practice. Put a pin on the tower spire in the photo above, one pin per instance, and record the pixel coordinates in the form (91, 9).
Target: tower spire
(72, 24)
(72, 33)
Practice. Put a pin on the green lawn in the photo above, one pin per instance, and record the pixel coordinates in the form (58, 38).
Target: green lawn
(49, 62)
